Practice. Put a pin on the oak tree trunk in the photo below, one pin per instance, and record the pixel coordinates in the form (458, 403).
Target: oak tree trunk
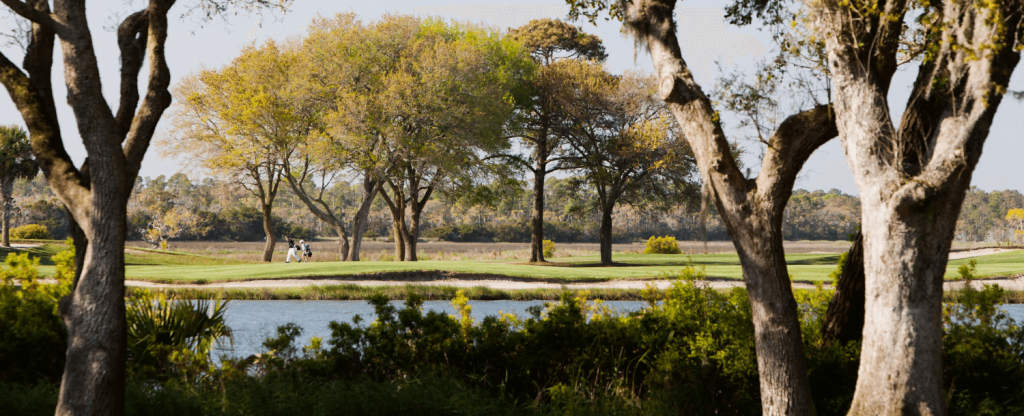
(370, 189)
(537, 219)
(606, 236)
(410, 234)
(7, 225)
(94, 373)
(913, 175)
(268, 228)
(781, 363)
(342, 242)
(396, 230)
(751, 209)
(844, 321)
(905, 256)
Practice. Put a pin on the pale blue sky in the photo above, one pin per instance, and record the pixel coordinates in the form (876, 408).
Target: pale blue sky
(192, 45)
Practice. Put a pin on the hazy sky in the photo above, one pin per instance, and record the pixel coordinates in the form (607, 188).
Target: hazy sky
(192, 45)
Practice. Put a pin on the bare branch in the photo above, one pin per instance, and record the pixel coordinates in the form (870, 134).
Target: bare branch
(36, 15)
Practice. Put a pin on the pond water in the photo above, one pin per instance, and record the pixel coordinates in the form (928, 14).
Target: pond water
(252, 321)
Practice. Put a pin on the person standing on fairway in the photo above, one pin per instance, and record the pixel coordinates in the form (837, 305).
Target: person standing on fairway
(304, 251)
(291, 251)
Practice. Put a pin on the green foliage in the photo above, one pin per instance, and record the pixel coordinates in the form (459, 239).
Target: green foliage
(549, 248)
(840, 265)
(30, 232)
(981, 351)
(16, 161)
(32, 336)
(690, 351)
(661, 245)
(550, 39)
(169, 338)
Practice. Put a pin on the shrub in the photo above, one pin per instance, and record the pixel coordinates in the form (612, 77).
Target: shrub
(173, 338)
(549, 248)
(30, 232)
(661, 245)
(32, 336)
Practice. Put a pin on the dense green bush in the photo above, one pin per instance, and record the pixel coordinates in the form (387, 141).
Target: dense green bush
(982, 353)
(32, 336)
(690, 351)
(661, 245)
(30, 232)
(172, 339)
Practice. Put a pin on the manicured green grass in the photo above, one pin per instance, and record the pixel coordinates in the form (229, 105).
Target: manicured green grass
(44, 252)
(1009, 264)
(805, 267)
(177, 267)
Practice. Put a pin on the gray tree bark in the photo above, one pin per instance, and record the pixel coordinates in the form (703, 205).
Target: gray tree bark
(371, 187)
(396, 206)
(751, 209)
(537, 218)
(844, 320)
(605, 234)
(7, 226)
(96, 199)
(912, 177)
(268, 229)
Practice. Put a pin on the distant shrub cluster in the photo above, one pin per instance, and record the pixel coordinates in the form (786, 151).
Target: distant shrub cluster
(662, 245)
(30, 232)
(232, 224)
(518, 232)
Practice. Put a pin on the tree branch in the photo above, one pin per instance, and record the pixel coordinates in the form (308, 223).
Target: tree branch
(789, 147)
(36, 15)
(37, 110)
(131, 39)
(158, 97)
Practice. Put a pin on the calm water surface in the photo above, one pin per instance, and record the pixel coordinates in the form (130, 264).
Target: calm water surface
(254, 320)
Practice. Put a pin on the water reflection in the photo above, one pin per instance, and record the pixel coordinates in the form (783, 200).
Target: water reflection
(252, 321)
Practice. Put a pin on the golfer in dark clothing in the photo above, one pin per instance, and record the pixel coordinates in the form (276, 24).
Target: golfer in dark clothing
(291, 251)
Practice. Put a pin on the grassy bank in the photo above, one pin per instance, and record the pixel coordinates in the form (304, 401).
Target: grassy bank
(356, 292)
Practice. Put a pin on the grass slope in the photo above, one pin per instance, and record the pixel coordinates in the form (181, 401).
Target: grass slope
(805, 267)
(169, 266)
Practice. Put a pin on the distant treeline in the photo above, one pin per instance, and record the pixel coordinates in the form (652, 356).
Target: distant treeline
(219, 210)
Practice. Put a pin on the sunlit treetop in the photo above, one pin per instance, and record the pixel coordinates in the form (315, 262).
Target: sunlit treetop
(549, 40)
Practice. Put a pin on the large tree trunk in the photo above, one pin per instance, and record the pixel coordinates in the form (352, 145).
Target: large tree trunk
(844, 321)
(606, 236)
(905, 256)
(370, 189)
(396, 231)
(268, 228)
(7, 225)
(94, 313)
(94, 373)
(342, 242)
(751, 209)
(537, 219)
(781, 363)
(411, 233)
(398, 228)
(913, 176)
